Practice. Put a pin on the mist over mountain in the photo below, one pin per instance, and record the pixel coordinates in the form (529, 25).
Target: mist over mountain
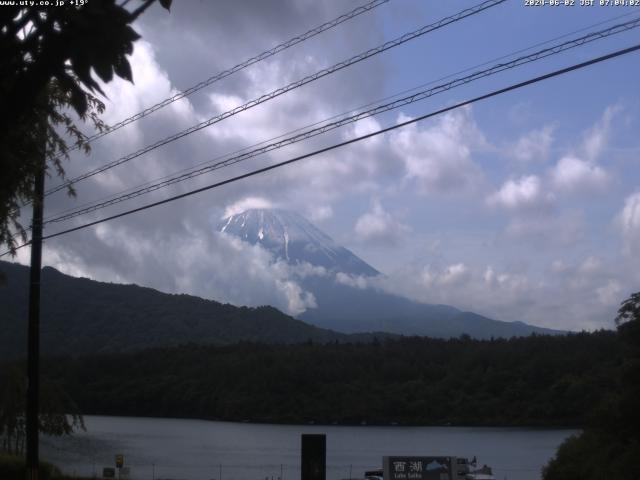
(82, 316)
(339, 283)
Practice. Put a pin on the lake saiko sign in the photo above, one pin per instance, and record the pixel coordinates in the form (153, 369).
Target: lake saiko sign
(419, 468)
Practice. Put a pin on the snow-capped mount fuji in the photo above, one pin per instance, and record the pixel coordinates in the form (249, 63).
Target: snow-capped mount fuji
(349, 309)
(291, 237)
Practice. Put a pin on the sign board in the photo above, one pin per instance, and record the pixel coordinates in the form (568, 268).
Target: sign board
(108, 472)
(119, 460)
(419, 468)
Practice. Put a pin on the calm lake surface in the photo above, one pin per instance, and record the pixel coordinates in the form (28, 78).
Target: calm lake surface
(203, 450)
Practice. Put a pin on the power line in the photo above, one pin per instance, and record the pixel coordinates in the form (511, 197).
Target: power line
(247, 63)
(131, 193)
(282, 90)
(226, 73)
(422, 95)
(252, 173)
(352, 111)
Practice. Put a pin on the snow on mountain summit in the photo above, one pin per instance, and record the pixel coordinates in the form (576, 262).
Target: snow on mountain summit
(291, 237)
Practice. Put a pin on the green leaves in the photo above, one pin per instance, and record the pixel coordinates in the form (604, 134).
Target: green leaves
(123, 69)
(59, 414)
(72, 48)
(630, 309)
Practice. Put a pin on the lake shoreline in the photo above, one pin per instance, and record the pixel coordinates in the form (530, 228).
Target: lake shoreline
(193, 449)
(347, 424)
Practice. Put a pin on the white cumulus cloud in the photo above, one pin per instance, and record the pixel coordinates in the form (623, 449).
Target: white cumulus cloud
(438, 155)
(379, 227)
(597, 137)
(319, 213)
(572, 174)
(247, 204)
(534, 146)
(523, 193)
(628, 221)
(580, 172)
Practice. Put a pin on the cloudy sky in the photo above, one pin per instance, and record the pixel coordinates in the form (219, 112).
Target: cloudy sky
(521, 207)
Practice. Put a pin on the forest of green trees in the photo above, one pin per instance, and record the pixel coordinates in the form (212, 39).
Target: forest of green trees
(585, 380)
(535, 381)
(609, 446)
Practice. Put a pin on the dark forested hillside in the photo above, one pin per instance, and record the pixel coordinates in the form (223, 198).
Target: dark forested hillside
(82, 316)
(539, 380)
(610, 445)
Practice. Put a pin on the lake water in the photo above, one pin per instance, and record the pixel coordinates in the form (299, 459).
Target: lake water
(201, 450)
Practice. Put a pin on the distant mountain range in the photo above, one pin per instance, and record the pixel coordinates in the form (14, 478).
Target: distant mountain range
(292, 238)
(81, 316)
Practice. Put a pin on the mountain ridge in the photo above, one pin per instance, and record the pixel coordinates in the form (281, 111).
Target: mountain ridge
(293, 238)
(348, 309)
(80, 316)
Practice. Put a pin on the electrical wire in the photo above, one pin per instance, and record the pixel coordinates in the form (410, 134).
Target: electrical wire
(422, 95)
(333, 117)
(132, 190)
(247, 63)
(282, 90)
(226, 73)
(252, 173)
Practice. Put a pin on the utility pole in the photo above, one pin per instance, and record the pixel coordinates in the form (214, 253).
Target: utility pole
(33, 340)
